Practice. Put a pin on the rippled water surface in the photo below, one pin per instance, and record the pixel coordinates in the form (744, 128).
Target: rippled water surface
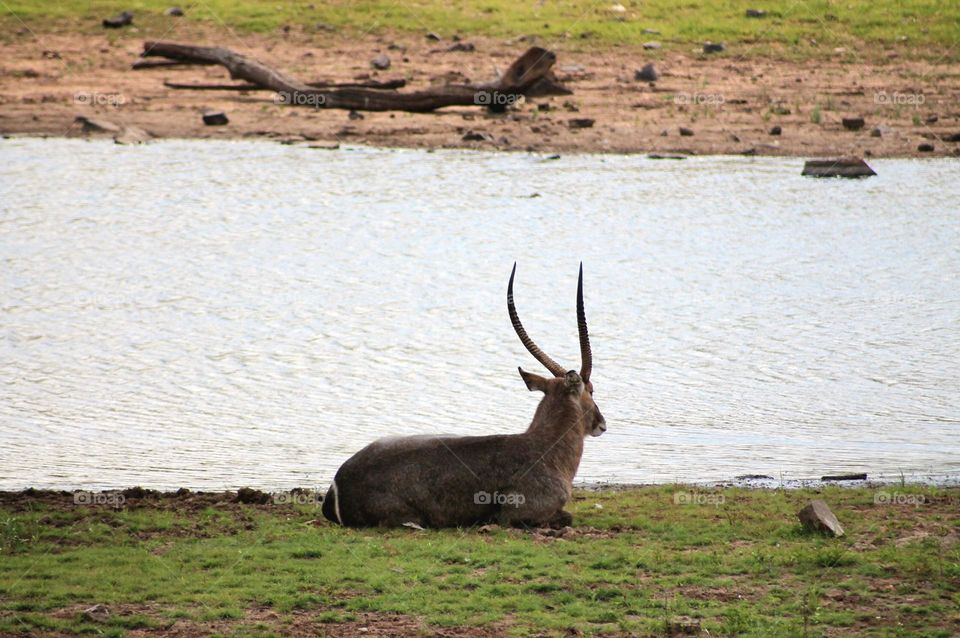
(216, 314)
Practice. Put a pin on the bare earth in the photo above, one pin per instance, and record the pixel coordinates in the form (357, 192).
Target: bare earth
(730, 104)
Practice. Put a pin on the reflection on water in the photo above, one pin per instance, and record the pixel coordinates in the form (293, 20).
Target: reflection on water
(216, 314)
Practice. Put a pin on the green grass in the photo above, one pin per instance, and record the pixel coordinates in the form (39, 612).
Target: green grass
(860, 25)
(741, 565)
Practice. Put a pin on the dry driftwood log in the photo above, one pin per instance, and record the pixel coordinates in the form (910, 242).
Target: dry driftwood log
(529, 74)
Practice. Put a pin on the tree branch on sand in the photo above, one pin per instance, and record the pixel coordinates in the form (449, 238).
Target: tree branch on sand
(529, 75)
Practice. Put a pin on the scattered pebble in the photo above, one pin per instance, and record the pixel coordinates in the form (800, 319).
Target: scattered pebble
(853, 123)
(647, 74)
(776, 130)
(381, 62)
(926, 147)
(215, 118)
(686, 132)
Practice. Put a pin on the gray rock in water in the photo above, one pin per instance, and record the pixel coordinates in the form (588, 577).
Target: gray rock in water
(647, 74)
(817, 517)
(842, 167)
(381, 62)
(215, 118)
(132, 135)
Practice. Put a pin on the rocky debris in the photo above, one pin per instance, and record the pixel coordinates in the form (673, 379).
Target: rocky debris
(756, 13)
(651, 46)
(952, 137)
(842, 167)
(647, 74)
(876, 132)
(776, 130)
(434, 37)
(686, 132)
(250, 496)
(96, 125)
(465, 47)
(355, 115)
(132, 135)
(933, 118)
(926, 147)
(853, 123)
(123, 20)
(381, 62)
(857, 476)
(175, 12)
(477, 136)
(97, 613)
(714, 47)
(215, 118)
(580, 122)
(817, 517)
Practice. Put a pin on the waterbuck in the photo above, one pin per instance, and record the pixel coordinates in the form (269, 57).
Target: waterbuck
(510, 479)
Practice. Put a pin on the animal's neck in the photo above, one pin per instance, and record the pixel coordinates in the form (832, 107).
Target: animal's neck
(558, 429)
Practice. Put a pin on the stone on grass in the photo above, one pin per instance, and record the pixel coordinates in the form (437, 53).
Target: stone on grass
(647, 74)
(817, 517)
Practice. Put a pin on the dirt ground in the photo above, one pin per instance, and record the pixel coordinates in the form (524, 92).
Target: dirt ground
(729, 104)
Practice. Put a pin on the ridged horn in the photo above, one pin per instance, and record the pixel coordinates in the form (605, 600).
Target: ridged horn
(586, 355)
(527, 342)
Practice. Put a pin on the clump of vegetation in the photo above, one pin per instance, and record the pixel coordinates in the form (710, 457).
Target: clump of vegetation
(734, 561)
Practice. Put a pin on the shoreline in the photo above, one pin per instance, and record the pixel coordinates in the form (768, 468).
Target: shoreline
(726, 105)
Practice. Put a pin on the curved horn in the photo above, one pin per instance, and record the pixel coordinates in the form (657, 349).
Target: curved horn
(528, 343)
(586, 355)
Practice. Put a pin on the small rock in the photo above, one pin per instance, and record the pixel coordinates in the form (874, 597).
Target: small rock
(332, 146)
(714, 47)
(841, 167)
(97, 613)
(651, 46)
(650, 32)
(325, 26)
(853, 123)
(435, 37)
(132, 135)
(647, 74)
(466, 47)
(381, 62)
(580, 122)
(393, 46)
(570, 106)
(776, 130)
(686, 132)
(926, 147)
(858, 476)
(876, 132)
(932, 119)
(550, 158)
(952, 137)
(49, 54)
(355, 115)
(756, 13)
(683, 626)
(477, 136)
(96, 125)
(817, 517)
(664, 133)
(215, 118)
(175, 12)
(116, 22)
(666, 156)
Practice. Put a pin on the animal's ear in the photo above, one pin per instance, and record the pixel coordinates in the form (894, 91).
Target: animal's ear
(533, 381)
(573, 383)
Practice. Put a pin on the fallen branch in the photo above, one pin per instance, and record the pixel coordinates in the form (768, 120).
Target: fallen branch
(526, 71)
(373, 84)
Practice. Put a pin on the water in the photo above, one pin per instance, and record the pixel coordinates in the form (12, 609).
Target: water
(216, 314)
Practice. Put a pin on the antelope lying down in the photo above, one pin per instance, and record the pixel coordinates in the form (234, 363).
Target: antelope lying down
(510, 479)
